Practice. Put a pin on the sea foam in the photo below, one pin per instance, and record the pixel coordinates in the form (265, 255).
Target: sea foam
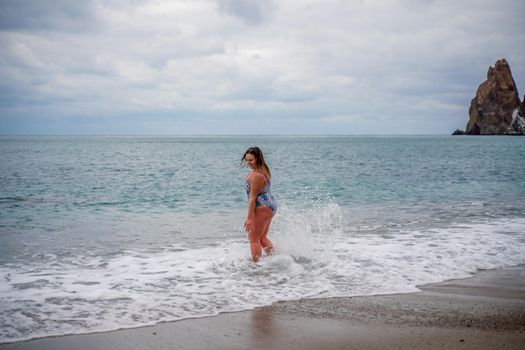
(315, 256)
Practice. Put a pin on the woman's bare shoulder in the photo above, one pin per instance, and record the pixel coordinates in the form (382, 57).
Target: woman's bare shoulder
(258, 175)
(263, 176)
(254, 175)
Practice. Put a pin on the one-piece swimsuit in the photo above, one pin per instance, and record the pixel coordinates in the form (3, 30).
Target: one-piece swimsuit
(264, 198)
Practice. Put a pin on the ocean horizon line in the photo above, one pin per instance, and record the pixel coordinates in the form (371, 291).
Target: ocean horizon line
(214, 135)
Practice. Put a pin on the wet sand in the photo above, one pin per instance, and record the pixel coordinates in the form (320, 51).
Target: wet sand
(486, 311)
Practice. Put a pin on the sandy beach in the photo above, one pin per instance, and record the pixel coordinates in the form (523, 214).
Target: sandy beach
(486, 311)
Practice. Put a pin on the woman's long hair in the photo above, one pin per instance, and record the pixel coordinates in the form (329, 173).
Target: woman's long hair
(259, 159)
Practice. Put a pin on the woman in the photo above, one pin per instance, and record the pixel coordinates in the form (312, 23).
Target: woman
(261, 204)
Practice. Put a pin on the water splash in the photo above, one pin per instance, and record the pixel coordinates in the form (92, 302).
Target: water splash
(307, 233)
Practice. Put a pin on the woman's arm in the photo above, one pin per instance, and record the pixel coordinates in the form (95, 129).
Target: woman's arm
(256, 186)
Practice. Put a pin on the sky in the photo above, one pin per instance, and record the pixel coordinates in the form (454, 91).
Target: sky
(244, 67)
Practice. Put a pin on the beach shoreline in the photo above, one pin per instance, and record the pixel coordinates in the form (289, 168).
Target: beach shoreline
(485, 311)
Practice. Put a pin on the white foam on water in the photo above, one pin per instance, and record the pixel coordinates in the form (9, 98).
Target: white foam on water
(314, 257)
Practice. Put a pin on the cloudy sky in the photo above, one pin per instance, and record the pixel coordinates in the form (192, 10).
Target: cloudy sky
(250, 66)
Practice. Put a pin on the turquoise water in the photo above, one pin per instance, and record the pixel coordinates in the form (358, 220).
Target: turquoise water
(111, 232)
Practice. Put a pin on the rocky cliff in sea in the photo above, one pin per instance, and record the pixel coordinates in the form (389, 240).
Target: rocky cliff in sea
(496, 109)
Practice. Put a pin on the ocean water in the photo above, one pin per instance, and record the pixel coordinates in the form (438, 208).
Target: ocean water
(101, 233)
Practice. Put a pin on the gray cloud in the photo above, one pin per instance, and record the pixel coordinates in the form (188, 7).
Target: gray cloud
(41, 15)
(252, 12)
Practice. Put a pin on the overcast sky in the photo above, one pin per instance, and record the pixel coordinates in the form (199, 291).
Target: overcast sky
(250, 66)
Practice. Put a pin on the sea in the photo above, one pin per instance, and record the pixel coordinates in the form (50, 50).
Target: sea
(99, 233)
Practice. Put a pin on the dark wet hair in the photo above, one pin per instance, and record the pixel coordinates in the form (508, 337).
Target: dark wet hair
(259, 158)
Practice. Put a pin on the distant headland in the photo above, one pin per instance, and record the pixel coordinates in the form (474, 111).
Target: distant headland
(496, 109)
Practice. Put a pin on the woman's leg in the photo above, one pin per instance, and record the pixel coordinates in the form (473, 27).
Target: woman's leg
(265, 242)
(262, 216)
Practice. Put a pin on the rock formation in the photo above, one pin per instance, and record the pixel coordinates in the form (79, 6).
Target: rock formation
(496, 109)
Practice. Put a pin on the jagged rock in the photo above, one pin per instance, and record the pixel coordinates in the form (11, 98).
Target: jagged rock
(458, 132)
(496, 109)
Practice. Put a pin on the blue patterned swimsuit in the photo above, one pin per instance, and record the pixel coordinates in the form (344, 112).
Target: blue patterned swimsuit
(264, 198)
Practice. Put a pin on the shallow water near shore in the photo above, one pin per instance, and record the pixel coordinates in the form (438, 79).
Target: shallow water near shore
(101, 233)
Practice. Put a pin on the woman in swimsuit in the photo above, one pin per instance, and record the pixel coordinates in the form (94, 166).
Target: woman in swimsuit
(261, 204)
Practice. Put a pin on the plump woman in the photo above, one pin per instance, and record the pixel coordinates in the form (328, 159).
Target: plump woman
(261, 204)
